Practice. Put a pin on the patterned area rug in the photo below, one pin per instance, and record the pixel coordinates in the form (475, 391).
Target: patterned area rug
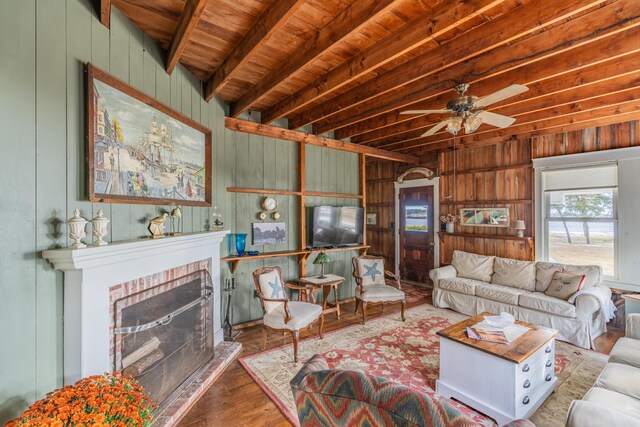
(409, 354)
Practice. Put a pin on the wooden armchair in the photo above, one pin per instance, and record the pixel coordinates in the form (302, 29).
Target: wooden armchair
(375, 285)
(280, 314)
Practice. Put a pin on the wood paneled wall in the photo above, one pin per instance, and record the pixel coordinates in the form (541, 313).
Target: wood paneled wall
(490, 176)
(44, 46)
(608, 137)
(498, 175)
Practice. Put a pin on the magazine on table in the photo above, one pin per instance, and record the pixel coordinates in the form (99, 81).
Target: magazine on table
(505, 335)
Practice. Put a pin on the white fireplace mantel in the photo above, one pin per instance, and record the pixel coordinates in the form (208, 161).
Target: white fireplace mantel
(90, 272)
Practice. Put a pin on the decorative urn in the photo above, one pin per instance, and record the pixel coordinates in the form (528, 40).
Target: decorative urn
(76, 227)
(99, 224)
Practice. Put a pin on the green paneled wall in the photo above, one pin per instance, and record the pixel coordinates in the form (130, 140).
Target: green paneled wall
(43, 48)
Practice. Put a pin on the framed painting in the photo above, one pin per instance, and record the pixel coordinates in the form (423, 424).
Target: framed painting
(142, 151)
(485, 217)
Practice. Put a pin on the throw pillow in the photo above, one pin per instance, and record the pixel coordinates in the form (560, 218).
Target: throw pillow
(563, 285)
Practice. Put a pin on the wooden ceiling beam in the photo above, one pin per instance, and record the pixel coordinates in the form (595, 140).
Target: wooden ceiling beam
(519, 22)
(555, 42)
(617, 113)
(541, 98)
(553, 116)
(306, 138)
(529, 72)
(346, 22)
(597, 122)
(105, 13)
(443, 18)
(186, 25)
(269, 23)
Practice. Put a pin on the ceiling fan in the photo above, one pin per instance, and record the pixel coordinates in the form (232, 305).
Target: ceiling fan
(464, 111)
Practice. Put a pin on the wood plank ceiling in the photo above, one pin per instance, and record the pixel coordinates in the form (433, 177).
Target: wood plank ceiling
(351, 66)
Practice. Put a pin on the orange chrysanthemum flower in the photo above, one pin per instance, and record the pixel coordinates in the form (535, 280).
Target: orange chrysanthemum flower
(101, 400)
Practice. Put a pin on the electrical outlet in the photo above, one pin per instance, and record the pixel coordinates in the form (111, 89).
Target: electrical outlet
(255, 293)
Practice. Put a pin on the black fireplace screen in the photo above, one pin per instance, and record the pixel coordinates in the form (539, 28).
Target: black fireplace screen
(165, 333)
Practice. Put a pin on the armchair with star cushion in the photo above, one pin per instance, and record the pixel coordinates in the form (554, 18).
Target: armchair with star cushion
(280, 314)
(375, 285)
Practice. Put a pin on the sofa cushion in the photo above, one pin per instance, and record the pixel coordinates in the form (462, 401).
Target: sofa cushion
(541, 302)
(564, 285)
(459, 285)
(613, 400)
(514, 273)
(592, 273)
(473, 266)
(626, 351)
(499, 293)
(544, 274)
(620, 378)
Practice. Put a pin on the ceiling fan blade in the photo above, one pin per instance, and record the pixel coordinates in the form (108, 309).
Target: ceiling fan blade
(437, 127)
(494, 119)
(505, 93)
(424, 112)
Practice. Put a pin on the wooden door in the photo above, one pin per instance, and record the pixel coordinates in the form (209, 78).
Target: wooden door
(417, 233)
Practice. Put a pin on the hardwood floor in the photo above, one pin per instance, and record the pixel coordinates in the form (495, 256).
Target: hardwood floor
(236, 400)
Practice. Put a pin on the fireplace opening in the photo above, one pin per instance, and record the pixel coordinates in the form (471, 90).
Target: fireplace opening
(164, 334)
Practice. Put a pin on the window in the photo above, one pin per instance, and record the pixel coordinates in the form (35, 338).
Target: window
(416, 218)
(581, 216)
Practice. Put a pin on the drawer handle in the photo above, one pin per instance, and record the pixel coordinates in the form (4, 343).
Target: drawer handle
(525, 400)
(547, 350)
(548, 364)
(548, 377)
(526, 384)
(525, 368)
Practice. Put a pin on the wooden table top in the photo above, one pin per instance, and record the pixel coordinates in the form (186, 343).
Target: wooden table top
(328, 279)
(517, 351)
(634, 297)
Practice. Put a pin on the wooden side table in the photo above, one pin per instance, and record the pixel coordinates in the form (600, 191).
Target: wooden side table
(327, 283)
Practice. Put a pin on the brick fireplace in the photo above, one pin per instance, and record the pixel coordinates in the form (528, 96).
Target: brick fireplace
(146, 306)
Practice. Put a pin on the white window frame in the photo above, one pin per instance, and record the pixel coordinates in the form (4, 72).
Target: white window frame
(628, 279)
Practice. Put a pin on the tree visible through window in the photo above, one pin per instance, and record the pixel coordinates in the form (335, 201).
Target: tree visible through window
(581, 227)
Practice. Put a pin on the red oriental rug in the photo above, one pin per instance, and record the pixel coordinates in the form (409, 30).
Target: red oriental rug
(409, 354)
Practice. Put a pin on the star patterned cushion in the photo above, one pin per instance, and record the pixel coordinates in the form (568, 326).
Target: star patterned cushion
(272, 287)
(371, 270)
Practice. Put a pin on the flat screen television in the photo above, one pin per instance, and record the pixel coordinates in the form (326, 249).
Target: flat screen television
(335, 226)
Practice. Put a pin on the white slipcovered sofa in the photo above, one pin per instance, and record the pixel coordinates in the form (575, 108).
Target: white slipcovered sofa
(614, 399)
(475, 283)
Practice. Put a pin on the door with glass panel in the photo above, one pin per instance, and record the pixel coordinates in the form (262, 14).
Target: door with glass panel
(416, 233)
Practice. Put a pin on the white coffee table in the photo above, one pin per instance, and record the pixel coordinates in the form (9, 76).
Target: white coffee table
(503, 381)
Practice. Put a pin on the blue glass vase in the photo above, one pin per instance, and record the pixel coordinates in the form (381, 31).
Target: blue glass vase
(241, 243)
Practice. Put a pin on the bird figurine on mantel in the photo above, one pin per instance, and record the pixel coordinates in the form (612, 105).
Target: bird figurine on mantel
(176, 214)
(156, 225)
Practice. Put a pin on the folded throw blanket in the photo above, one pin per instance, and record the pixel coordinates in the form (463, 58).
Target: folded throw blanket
(607, 308)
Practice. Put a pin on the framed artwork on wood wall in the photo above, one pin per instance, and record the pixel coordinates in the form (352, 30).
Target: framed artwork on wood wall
(142, 151)
(484, 217)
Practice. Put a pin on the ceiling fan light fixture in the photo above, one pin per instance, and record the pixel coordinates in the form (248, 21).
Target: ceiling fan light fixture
(454, 126)
(472, 123)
